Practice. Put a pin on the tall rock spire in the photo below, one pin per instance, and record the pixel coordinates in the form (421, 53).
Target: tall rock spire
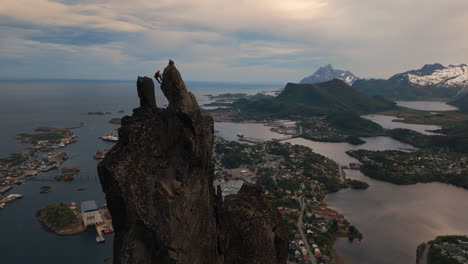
(158, 181)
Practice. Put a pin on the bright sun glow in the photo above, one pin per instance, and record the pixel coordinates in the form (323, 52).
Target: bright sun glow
(300, 9)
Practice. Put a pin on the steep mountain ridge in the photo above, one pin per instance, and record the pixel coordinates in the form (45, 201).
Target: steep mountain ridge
(332, 95)
(328, 73)
(158, 182)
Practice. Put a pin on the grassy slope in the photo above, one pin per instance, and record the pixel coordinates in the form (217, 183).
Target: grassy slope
(329, 96)
(461, 103)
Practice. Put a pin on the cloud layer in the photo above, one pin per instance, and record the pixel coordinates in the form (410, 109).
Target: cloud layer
(219, 40)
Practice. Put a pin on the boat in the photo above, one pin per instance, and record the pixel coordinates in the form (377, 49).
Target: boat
(45, 189)
(100, 154)
(241, 135)
(110, 138)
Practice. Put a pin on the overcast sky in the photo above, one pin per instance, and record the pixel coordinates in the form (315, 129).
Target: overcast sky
(218, 40)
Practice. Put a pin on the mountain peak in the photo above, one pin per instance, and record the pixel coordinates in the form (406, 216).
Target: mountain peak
(429, 82)
(327, 73)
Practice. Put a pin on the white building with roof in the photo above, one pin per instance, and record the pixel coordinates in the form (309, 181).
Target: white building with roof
(90, 213)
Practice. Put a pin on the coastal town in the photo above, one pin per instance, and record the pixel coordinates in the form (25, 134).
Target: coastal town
(296, 181)
(444, 249)
(21, 166)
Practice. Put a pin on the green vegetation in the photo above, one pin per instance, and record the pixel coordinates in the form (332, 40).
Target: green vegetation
(285, 202)
(356, 184)
(419, 251)
(352, 124)
(234, 155)
(57, 216)
(461, 102)
(450, 239)
(332, 184)
(232, 160)
(376, 172)
(437, 257)
(13, 160)
(331, 96)
(455, 138)
(448, 250)
(51, 135)
(354, 140)
(290, 185)
(264, 179)
(426, 165)
(312, 99)
(354, 233)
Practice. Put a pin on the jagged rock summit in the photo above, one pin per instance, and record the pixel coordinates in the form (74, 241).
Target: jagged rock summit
(177, 94)
(158, 181)
(328, 73)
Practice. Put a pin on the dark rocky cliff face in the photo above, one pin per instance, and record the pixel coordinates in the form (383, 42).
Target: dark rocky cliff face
(158, 185)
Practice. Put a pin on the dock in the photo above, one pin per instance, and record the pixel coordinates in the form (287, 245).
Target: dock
(105, 227)
(100, 232)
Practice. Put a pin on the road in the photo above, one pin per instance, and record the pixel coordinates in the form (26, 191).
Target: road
(301, 231)
(342, 174)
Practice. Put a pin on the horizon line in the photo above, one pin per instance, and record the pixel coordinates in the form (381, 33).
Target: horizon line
(127, 80)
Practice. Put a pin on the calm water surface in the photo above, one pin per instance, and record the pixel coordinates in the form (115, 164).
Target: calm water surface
(229, 131)
(337, 151)
(391, 122)
(27, 105)
(393, 219)
(396, 219)
(427, 105)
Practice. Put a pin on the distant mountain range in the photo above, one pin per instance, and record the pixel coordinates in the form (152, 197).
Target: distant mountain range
(314, 99)
(340, 103)
(332, 95)
(432, 81)
(328, 73)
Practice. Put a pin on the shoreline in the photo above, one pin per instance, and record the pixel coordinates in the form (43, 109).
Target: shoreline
(64, 231)
(337, 257)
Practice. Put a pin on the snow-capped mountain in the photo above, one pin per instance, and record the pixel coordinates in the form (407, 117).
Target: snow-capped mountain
(432, 81)
(438, 75)
(328, 73)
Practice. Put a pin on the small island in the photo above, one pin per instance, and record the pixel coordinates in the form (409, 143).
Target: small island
(356, 184)
(61, 219)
